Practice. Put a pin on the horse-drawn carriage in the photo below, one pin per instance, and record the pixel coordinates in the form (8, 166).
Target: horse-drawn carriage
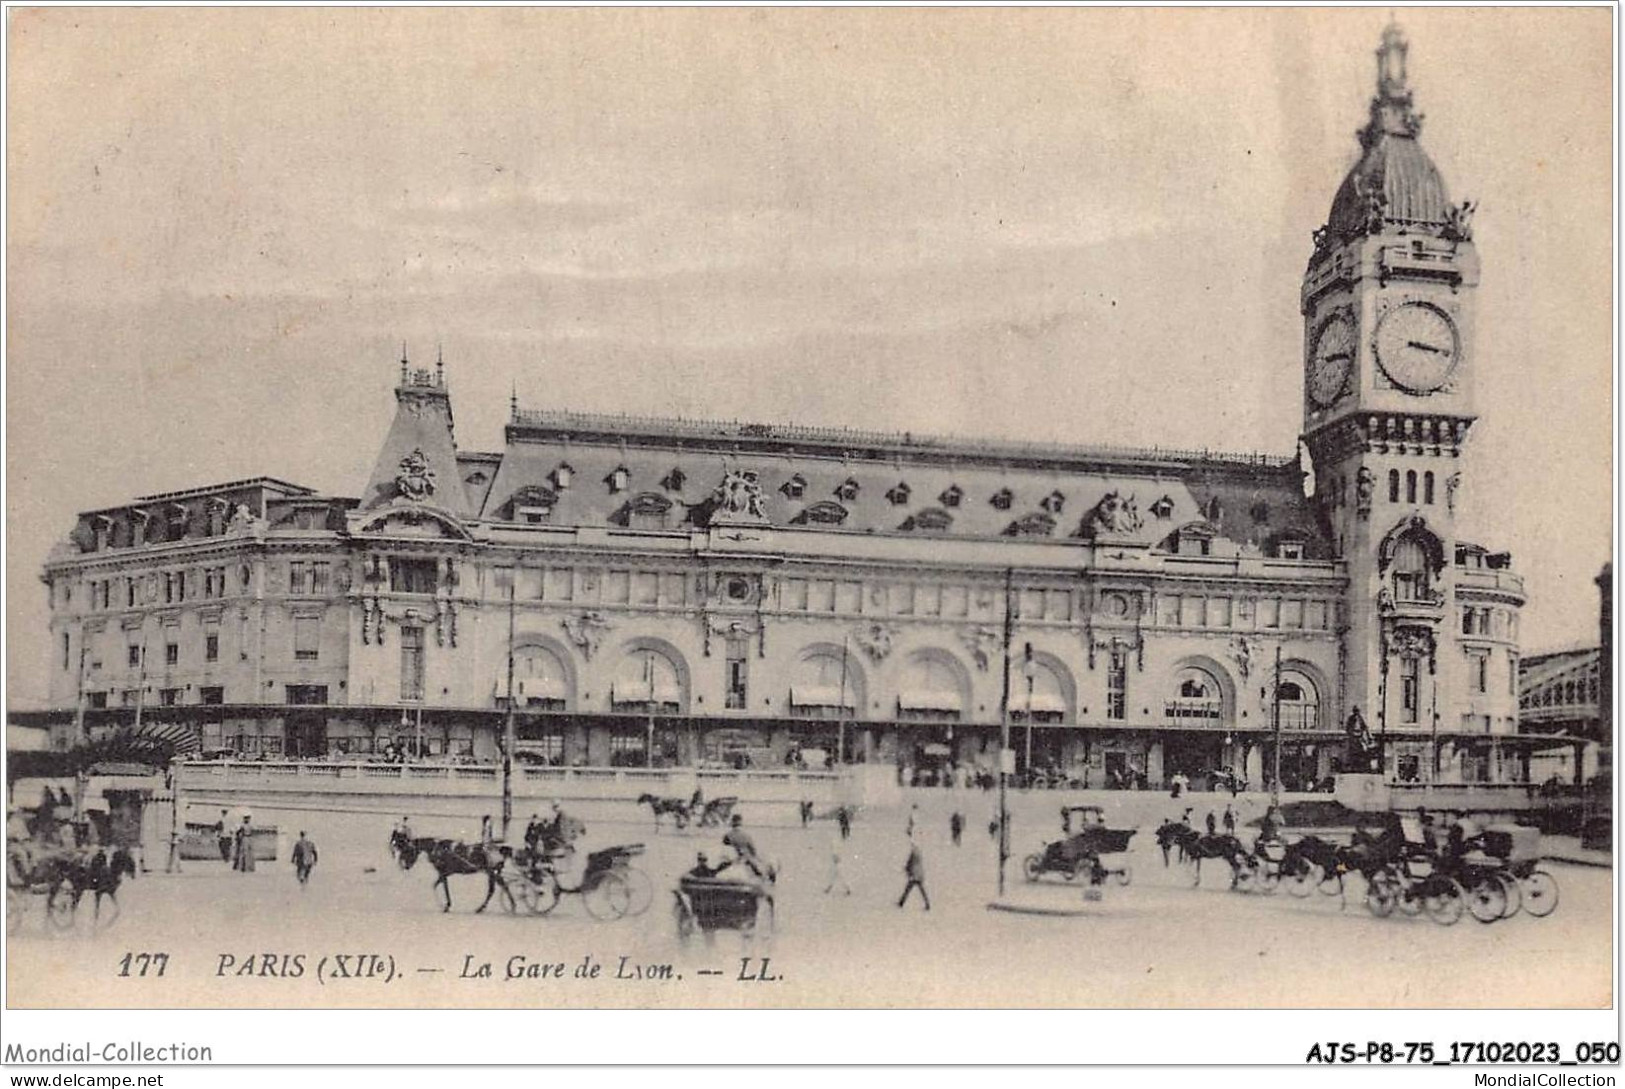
(59, 877)
(695, 810)
(1081, 852)
(709, 904)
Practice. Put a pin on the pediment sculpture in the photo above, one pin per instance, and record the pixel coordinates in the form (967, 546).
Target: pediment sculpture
(415, 481)
(1114, 514)
(875, 640)
(739, 495)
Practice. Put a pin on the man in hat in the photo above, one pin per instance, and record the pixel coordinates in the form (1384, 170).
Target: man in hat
(304, 858)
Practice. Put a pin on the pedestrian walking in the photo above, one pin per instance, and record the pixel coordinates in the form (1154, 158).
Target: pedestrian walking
(843, 817)
(304, 858)
(487, 836)
(956, 826)
(914, 868)
(1229, 821)
(243, 841)
(806, 813)
(1212, 823)
(222, 831)
(837, 879)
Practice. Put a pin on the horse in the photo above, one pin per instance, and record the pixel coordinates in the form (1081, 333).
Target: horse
(1315, 861)
(1170, 834)
(1195, 846)
(677, 807)
(66, 877)
(454, 858)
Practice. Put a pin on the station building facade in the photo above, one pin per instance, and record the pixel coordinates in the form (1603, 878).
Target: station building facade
(674, 592)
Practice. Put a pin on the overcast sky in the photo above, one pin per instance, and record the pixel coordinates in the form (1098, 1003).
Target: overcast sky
(1075, 225)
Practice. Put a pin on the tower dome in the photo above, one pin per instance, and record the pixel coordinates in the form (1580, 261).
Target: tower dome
(1394, 184)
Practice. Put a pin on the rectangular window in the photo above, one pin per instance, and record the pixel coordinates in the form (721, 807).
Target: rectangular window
(1409, 689)
(1467, 622)
(318, 578)
(1481, 673)
(172, 654)
(411, 663)
(211, 646)
(131, 593)
(673, 589)
(307, 694)
(169, 697)
(307, 638)
(737, 666)
(298, 582)
(211, 695)
(1192, 611)
(848, 597)
(169, 587)
(1117, 686)
(1316, 616)
(821, 596)
(1058, 604)
(1290, 550)
(411, 576)
(1168, 609)
(96, 700)
(1218, 612)
(1269, 612)
(795, 595)
(1032, 604)
(1292, 614)
(928, 600)
(134, 655)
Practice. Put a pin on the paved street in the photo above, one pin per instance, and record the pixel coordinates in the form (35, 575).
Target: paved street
(1158, 942)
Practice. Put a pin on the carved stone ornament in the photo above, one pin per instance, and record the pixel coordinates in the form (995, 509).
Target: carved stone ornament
(1365, 486)
(242, 520)
(415, 481)
(1451, 484)
(1459, 222)
(1241, 652)
(980, 644)
(721, 625)
(1411, 643)
(1115, 513)
(740, 495)
(586, 632)
(875, 640)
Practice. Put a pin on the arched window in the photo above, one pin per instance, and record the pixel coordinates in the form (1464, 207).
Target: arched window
(1410, 570)
(1393, 485)
(1045, 697)
(930, 691)
(1410, 486)
(824, 686)
(1198, 699)
(647, 681)
(1427, 487)
(1300, 701)
(539, 679)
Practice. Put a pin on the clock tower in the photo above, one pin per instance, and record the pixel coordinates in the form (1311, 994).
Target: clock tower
(1387, 305)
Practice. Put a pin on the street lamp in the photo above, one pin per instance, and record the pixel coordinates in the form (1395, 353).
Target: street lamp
(1029, 669)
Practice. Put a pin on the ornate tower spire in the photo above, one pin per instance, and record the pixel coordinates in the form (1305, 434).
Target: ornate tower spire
(1392, 112)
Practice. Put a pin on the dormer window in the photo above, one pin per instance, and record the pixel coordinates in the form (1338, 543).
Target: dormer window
(618, 479)
(1289, 550)
(930, 520)
(795, 487)
(899, 494)
(951, 495)
(103, 528)
(138, 526)
(674, 480)
(1053, 502)
(824, 513)
(1163, 508)
(1031, 525)
(178, 517)
(476, 478)
(1003, 499)
(562, 475)
(847, 490)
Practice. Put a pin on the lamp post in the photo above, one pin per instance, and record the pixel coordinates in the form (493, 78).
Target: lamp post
(1004, 736)
(508, 731)
(649, 749)
(1275, 779)
(1029, 669)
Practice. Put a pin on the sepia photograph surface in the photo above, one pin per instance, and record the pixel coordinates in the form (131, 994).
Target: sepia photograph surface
(808, 508)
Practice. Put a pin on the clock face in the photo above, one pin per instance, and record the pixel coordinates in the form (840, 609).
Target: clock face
(1330, 359)
(1417, 347)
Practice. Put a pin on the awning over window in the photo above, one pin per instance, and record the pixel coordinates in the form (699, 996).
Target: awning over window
(928, 700)
(1042, 703)
(539, 688)
(634, 692)
(811, 695)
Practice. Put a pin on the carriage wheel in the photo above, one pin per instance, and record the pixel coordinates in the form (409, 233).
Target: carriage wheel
(1246, 878)
(545, 890)
(1487, 900)
(1331, 884)
(1540, 894)
(1381, 895)
(1410, 899)
(641, 888)
(1125, 876)
(1445, 902)
(1302, 881)
(1033, 867)
(59, 909)
(608, 897)
(524, 893)
(1514, 894)
(1269, 880)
